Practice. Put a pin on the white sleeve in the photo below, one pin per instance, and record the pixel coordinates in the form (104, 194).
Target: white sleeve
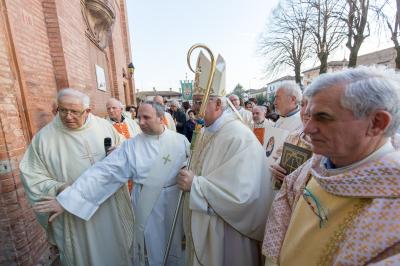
(197, 201)
(99, 182)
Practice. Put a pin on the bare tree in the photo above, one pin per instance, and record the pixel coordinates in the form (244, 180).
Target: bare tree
(391, 20)
(286, 40)
(356, 18)
(326, 28)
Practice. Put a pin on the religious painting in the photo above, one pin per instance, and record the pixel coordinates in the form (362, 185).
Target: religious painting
(293, 157)
(101, 78)
(270, 146)
(274, 138)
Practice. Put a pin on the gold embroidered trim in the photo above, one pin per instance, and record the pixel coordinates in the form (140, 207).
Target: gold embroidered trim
(339, 234)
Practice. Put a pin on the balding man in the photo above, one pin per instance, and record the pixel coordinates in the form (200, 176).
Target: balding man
(59, 153)
(246, 115)
(260, 124)
(124, 125)
(287, 99)
(168, 121)
(342, 207)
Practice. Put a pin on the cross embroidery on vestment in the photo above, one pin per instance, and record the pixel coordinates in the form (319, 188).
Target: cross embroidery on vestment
(166, 159)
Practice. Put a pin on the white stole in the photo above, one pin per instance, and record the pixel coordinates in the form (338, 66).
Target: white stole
(151, 190)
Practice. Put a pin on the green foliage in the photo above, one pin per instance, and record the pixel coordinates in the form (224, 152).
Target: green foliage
(260, 99)
(238, 90)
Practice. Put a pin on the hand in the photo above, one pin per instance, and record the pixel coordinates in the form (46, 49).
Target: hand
(185, 179)
(110, 150)
(278, 172)
(49, 205)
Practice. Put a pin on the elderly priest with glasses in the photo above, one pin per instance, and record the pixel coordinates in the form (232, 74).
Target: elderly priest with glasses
(152, 160)
(59, 153)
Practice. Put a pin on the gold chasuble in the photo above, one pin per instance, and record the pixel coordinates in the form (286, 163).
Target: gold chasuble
(337, 216)
(310, 240)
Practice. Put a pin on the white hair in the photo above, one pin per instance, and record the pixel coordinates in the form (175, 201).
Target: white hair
(117, 101)
(76, 94)
(262, 108)
(235, 96)
(290, 88)
(175, 103)
(223, 99)
(366, 89)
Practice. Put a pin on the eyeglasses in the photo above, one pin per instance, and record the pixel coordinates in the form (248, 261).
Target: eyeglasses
(64, 112)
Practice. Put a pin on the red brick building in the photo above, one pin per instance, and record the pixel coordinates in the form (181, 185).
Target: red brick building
(46, 45)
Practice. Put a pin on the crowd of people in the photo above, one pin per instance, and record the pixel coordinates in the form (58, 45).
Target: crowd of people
(114, 204)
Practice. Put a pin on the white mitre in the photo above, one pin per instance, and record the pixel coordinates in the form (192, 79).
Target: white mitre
(203, 68)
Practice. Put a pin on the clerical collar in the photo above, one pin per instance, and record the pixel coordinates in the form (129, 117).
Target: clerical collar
(122, 119)
(387, 147)
(157, 136)
(214, 127)
(262, 122)
(297, 109)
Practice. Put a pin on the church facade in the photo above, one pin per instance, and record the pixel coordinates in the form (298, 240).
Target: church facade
(47, 45)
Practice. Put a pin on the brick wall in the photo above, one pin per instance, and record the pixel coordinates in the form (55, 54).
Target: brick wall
(22, 241)
(43, 47)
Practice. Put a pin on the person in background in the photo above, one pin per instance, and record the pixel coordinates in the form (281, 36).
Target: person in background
(249, 106)
(189, 125)
(132, 110)
(246, 115)
(178, 115)
(168, 121)
(186, 109)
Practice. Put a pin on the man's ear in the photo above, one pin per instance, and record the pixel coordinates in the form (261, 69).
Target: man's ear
(379, 122)
(218, 104)
(88, 110)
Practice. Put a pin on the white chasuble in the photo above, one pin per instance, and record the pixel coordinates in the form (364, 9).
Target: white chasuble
(56, 157)
(227, 207)
(152, 162)
(247, 117)
(290, 123)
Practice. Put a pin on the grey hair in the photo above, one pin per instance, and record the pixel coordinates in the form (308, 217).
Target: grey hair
(262, 108)
(118, 101)
(291, 88)
(175, 103)
(234, 95)
(366, 89)
(74, 93)
(158, 107)
(224, 101)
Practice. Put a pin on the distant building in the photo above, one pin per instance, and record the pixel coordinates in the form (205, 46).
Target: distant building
(384, 57)
(252, 93)
(273, 85)
(333, 66)
(168, 95)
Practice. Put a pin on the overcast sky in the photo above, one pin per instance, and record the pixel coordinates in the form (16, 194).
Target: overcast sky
(163, 31)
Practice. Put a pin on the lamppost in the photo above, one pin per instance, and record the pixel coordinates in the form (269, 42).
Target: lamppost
(131, 69)
(131, 72)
